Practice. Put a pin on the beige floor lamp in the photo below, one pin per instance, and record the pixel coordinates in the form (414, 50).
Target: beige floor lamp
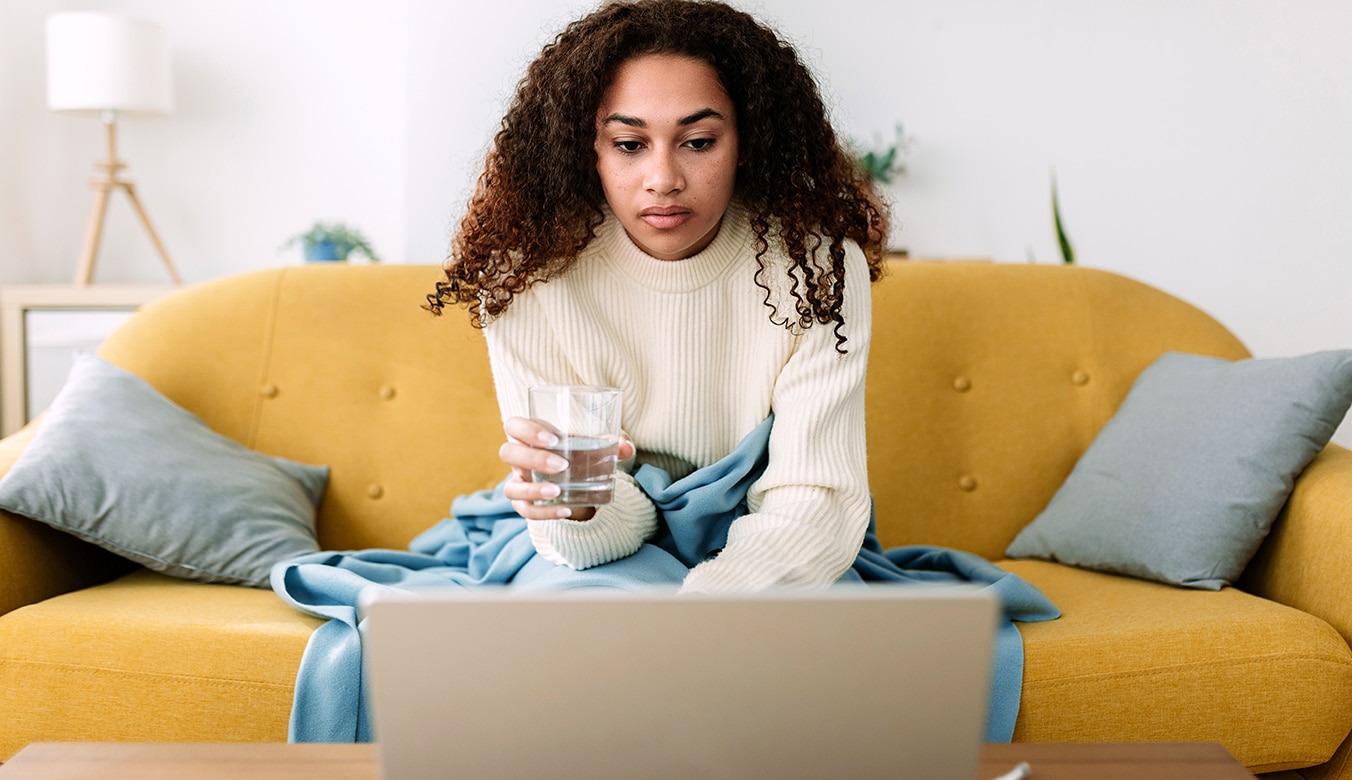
(110, 66)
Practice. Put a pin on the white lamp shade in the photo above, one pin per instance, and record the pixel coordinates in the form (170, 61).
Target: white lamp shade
(107, 62)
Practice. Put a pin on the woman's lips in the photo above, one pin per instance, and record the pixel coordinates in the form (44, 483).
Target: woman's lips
(664, 217)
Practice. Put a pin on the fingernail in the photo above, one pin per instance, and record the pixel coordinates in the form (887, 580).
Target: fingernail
(548, 439)
(550, 490)
(564, 512)
(556, 463)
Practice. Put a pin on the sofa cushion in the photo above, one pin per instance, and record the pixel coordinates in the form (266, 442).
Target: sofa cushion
(1185, 480)
(126, 660)
(1131, 660)
(119, 465)
(333, 364)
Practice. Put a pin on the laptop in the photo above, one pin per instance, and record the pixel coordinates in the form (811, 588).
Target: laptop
(848, 682)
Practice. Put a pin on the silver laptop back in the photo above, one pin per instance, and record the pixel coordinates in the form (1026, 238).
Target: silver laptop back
(851, 682)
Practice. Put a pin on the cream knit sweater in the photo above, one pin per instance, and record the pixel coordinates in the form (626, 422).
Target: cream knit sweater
(691, 346)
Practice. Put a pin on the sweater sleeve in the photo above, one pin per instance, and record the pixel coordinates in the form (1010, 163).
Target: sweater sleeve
(810, 509)
(523, 353)
(617, 530)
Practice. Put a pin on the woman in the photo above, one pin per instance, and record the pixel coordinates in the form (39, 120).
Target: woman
(666, 210)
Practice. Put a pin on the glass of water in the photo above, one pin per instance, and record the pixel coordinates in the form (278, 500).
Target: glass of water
(587, 421)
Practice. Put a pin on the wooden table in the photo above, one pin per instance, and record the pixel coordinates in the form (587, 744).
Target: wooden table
(272, 761)
(1183, 761)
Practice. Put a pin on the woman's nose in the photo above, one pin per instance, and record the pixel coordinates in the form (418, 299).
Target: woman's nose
(663, 175)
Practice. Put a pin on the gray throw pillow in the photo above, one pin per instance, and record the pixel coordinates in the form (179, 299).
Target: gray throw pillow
(1184, 482)
(117, 464)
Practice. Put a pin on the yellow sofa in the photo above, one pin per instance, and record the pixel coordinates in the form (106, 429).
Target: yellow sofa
(987, 382)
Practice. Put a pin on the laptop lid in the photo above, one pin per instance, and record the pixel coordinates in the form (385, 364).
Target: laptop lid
(850, 682)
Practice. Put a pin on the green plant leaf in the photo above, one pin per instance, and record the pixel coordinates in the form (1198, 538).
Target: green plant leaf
(346, 239)
(1067, 251)
(880, 161)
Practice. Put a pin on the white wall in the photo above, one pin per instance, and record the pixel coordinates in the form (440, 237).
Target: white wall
(464, 62)
(1201, 145)
(285, 112)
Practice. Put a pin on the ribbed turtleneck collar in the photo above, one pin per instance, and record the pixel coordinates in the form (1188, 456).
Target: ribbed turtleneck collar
(623, 255)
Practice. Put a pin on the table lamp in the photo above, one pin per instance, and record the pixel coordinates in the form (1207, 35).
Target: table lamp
(108, 65)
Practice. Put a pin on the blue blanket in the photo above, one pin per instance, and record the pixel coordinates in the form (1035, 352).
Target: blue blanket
(485, 543)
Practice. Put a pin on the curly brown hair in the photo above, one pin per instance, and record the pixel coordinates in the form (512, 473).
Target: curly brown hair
(539, 200)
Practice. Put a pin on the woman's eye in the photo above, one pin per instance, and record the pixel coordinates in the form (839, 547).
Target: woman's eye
(700, 144)
(628, 146)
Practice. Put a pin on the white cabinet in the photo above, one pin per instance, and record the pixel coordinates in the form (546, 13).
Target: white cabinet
(41, 329)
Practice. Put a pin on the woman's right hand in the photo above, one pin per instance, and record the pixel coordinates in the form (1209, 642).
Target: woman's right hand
(525, 451)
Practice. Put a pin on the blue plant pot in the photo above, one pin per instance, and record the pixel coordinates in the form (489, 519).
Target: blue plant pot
(325, 251)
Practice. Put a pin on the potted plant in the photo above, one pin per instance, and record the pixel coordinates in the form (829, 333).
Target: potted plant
(881, 161)
(1062, 238)
(331, 242)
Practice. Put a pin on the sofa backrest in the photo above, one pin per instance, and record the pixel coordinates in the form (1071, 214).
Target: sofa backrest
(334, 365)
(986, 383)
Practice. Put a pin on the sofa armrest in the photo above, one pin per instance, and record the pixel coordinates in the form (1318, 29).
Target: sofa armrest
(1303, 562)
(38, 562)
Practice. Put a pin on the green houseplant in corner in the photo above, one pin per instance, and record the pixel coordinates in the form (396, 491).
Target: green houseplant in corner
(331, 242)
(1063, 244)
(881, 161)
(1062, 240)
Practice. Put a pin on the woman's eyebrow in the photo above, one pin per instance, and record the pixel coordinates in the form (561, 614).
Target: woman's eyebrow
(704, 113)
(633, 121)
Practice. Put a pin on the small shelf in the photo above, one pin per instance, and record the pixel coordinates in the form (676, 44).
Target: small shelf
(94, 314)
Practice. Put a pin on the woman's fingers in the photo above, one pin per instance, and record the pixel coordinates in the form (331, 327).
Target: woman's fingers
(524, 495)
(530, 432)
(524, 452)
(523, 459)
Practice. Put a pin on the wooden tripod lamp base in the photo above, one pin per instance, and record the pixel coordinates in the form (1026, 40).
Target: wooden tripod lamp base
(104, 188)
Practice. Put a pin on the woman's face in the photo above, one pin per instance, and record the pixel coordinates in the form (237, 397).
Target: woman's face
(666, 150)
